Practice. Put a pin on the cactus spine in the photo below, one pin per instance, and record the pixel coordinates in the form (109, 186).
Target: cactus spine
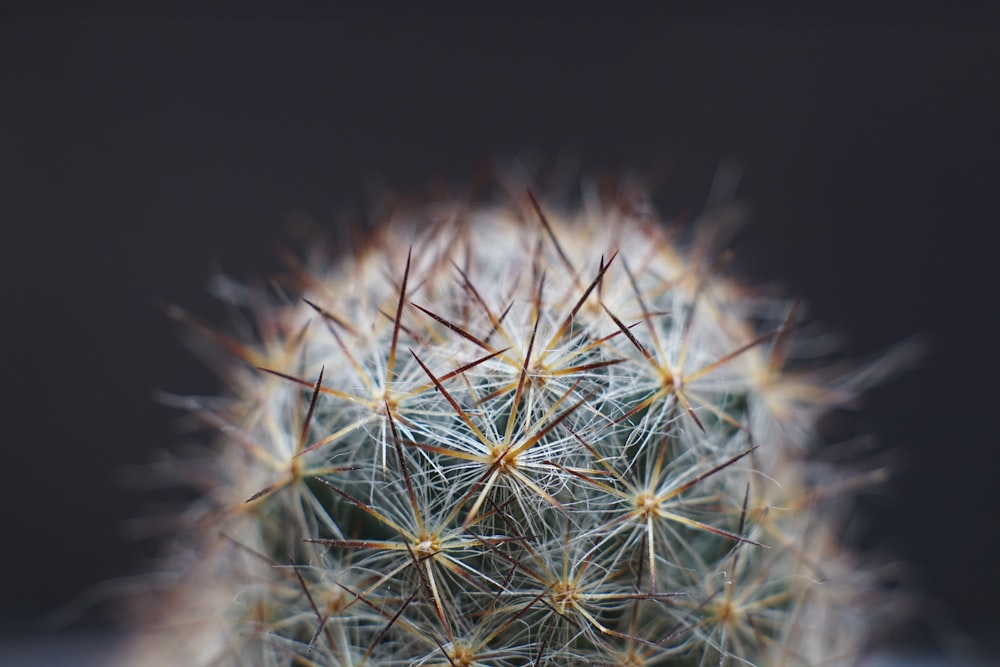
(509, 436)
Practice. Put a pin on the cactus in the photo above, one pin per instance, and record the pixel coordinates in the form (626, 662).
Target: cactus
(506, 435)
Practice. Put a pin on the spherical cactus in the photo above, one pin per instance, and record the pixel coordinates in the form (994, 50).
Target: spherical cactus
(508, 435)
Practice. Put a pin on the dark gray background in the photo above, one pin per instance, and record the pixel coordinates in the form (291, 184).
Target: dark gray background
(137, 153)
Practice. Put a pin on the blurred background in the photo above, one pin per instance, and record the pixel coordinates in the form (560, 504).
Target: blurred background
(139, 154)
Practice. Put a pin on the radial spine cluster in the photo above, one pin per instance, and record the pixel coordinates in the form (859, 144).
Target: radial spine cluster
(508, 435)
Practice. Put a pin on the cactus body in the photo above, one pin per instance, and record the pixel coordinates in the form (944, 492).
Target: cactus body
(508, 436)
